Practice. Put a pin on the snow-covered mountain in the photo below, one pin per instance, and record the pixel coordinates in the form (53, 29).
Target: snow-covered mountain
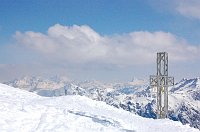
(34, 83)
(185, 102)
(21, 110)
(134, 96)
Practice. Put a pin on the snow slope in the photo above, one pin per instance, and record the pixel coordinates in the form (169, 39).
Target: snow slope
(134, 96)
(23, 111)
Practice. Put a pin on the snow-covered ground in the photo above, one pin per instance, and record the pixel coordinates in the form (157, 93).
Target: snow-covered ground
(24, 111)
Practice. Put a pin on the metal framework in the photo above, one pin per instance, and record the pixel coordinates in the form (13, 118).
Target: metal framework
(162, 82)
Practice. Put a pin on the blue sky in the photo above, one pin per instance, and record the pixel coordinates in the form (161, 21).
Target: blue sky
(110, 21)
(106, 17)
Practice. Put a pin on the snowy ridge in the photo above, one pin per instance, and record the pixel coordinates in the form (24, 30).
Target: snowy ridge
(134, 96)
(25, 111)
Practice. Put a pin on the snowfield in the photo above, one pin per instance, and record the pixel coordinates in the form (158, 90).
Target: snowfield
(23, 111)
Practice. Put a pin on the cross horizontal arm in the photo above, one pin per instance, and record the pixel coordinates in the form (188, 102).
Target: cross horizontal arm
(161, 81)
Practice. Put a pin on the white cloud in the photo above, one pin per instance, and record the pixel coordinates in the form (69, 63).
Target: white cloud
(189, 8)
(75, 44)
(81, 44)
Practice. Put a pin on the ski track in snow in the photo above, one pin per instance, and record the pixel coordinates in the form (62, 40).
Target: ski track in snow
(22, 111)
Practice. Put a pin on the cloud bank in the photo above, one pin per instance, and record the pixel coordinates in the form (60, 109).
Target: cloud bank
(81, 44)
(80, 52)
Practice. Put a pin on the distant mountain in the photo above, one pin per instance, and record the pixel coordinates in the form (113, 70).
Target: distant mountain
(135, 96)
(35, 83)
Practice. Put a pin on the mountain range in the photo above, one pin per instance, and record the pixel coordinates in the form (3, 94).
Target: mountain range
(135, 96)
(21, 110)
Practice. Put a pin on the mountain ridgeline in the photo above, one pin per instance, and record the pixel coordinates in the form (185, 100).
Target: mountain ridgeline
(135, 96)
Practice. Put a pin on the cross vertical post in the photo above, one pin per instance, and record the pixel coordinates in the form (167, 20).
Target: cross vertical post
(162, 82)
